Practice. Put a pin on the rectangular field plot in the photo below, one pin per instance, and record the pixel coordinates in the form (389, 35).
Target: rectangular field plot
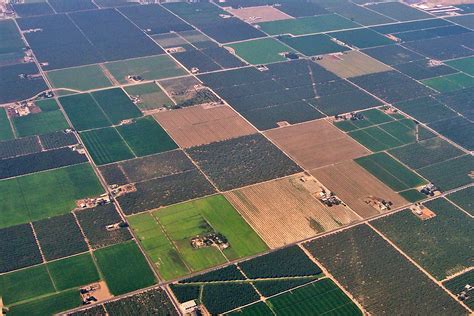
(18, 248)
(425, 240)
(319, 297)
(306, 25)
(94, 221)
(265, 12)
(460, 101)
(116, 105)
(449, 47)
(33, 197)
(393, 54)
(260, 51)
(360, 14)
(458, 129)
(6, 131)
(148, 68)
(201, 125)
(451, 173)
(458, 284)
(450, 83)
(79, 79)
(168, 242)
(207, 59)
(351, 64)
(362, 38)
(149, 96)
(11, 48)
(424, 69)
(167, 190)
(355, 186)
(399, 11)
(367, 263)
(313, 45)
(259, 160)
(48, 305)
(285, 211)
(61, 6)
(331, 145)
(46, 121)
(391, 172)
(59, 236)
(20, 147)
(465, 65)
(20, 87)
(464, 199)
(84, 112)
(105, 145)
(124, 267)
(426, 109)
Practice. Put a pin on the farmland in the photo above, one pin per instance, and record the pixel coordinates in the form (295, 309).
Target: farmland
(79, 78)
(366, 262)
(168, 242)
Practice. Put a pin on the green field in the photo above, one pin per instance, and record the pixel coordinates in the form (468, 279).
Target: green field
(116, 105)
(371, 117)
(73, 272)
(442, 245)
(306, 25)
(151, 96)
(183, 221)
(145, 136)
(260, 51)
(465, 65)
(319, 298)
(79, 79)
(149, 68)
(450, 83)
(457, 285)
(124, 267)
(47, 121)
(258, 309)
(312, 45)
(362, 38)
(84, 112)
(48, 305)
(5, 128)
(391, 172)
(40, 195)
(105, 145)
(464, 199)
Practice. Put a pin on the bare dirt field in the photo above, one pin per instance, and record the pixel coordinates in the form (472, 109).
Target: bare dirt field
(259, 14)
(351, 64)
(316, 144)
(285, 211)
(354, 185)
(199, 125)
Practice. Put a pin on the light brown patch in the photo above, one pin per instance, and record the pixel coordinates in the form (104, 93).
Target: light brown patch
(353, 184)
(285, 211)
(351, 64)
(316, 144)
(259, 14)
(199, 125)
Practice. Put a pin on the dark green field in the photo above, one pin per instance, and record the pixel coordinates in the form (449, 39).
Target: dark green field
(106, 145)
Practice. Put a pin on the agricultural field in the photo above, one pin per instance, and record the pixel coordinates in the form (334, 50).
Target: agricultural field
(313, 45)
(258, 160)
(20, 88)
(167, 241)
(199, 125)
(457, 285)
(354, 185)
(260, 51)
(6, 131)
(332, 146)
(424, 241)
(286, 210)
(367, 263)
(150, 96)
(450, 83)
(79, 79)
(41, 195)
(464, 199)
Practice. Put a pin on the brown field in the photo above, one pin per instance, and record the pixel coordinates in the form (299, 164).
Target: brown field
(285, 211)
(351, 64)
(353, 184)
(316, 144)
(259, 14)
(199, 125)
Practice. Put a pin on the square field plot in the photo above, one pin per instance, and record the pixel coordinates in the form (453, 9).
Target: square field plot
(94, 221)
(465, 65)
(201, 125)
(391, 172)
(355, 186)
(149, 96)
(316, 144)
(168, 242)
(73, 272)
(84, 112)
(306, 25)
(442, 256)
(41, 195)
(368, 262)
(242, 161)
(285, 211)
(105, 145)
(260, 51)
(116, 105)
(148, 68)
(362, 38)
(464, 199)
(312, 45)
(18, 248)
(59, 236)
(124, 267)
(351, 64)
(14, 87)
(79, 79)
(393, 54)
(264, 13)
